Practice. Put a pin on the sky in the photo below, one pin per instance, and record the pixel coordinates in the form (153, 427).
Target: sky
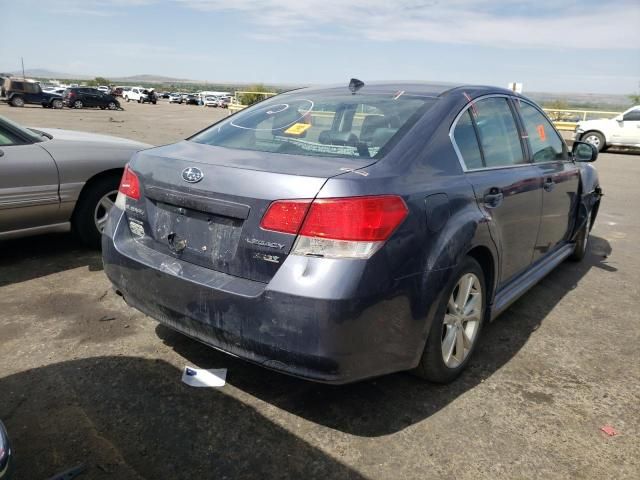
(584, 46)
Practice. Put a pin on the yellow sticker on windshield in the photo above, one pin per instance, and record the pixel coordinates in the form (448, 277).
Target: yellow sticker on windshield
(298, 128)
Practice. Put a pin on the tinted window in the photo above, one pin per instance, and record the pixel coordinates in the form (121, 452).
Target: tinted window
(632, 116)
(546, 144)
(319, 124)
(467, 142)
(17, 86)
(31, 87)
(498, 132)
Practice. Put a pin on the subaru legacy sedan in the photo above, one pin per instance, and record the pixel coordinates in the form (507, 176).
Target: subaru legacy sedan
(342, 233)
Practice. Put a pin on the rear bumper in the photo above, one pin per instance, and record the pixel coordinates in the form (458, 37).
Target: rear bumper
(303, 322)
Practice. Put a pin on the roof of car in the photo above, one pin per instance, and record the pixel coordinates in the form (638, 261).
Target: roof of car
(432, 89)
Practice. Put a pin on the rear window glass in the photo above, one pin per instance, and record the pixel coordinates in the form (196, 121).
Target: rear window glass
(324, 124)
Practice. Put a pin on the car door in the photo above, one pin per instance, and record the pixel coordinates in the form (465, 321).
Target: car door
(560, 178)
(507, 186)
(92, 97)
(630, 124)
(28, 184)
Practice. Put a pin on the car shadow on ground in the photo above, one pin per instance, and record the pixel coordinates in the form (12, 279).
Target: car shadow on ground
(131, 418)
(389, 404)
(25, 259)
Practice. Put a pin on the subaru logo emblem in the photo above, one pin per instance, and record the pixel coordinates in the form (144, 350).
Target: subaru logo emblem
(192, 174)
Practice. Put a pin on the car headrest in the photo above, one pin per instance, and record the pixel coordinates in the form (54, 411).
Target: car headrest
(381, 136)
(370, 124)
(329, 137)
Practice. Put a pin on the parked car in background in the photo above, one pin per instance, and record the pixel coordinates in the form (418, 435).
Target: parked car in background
(6, 455)
(19, 92)
(140, 95)
(175, 98)
(52, 179)
(54, 90)
(116, 91)
(224, 102)
(211, 101)
(104, 89)
(620, 131)
(80, 97)
(436, 209)
(192, 99)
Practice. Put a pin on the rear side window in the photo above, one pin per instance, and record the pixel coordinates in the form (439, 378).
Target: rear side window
(320, 124)
(467, 142)
(498, 132)
(546, 145)
(17, 86)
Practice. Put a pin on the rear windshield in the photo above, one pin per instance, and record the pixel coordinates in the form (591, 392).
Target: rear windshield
(325, 124)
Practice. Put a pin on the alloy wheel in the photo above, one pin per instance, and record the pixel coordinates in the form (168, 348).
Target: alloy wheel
(462, 320)
(593, 140)
(101, 212)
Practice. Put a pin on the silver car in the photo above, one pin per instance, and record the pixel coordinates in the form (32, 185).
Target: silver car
(51, 180)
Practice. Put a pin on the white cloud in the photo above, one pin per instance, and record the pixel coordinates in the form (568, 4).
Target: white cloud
(543, 23)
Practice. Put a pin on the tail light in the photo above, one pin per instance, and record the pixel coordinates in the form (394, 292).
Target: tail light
(354, 227)
(129, 187)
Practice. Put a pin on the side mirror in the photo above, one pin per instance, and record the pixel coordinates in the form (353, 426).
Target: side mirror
(584, 152)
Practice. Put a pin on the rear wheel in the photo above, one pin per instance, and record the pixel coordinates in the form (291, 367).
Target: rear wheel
(112, 105)
(91, 213)
(17, 101)
(78, 104)
(456, 328)
(596, 139)
(57, 104)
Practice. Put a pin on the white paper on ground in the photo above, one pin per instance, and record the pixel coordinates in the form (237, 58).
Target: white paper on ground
(199, 377)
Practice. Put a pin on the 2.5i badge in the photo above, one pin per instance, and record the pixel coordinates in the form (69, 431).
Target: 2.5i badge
(266, 257)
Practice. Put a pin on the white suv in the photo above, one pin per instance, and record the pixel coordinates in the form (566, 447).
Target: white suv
(623, 130)
(140, 95)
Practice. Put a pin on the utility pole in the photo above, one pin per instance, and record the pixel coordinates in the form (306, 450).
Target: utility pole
(22, 60)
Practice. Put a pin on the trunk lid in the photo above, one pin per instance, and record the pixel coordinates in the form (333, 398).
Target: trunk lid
(215, 222)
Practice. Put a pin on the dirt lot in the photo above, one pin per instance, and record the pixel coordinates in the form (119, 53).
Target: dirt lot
(85, 379)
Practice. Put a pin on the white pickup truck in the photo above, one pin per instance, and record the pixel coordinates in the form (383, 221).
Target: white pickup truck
(140, 95)
(623, 130)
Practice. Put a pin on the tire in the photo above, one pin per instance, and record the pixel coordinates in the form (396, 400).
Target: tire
(596, 139)
(89, 209)
(78, 104)
(139, 100)
(102, 107)
(17, 101)
(582, 241)
(112, 106)
(445, 354)
(57, 104)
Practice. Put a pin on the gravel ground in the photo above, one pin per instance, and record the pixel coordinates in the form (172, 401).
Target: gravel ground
(85, 379)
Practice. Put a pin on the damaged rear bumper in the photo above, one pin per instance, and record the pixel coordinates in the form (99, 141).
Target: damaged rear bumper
(308, 321)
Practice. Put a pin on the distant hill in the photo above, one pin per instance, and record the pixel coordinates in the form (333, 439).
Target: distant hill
(147, 78)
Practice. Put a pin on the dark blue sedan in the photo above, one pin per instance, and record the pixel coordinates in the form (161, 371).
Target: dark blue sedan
(342, 233)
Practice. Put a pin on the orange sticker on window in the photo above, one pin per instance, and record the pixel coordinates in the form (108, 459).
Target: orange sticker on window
(541, 133)
(298, 128)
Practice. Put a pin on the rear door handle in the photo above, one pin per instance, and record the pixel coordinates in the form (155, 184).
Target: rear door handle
(549, 184)
(494, 198)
